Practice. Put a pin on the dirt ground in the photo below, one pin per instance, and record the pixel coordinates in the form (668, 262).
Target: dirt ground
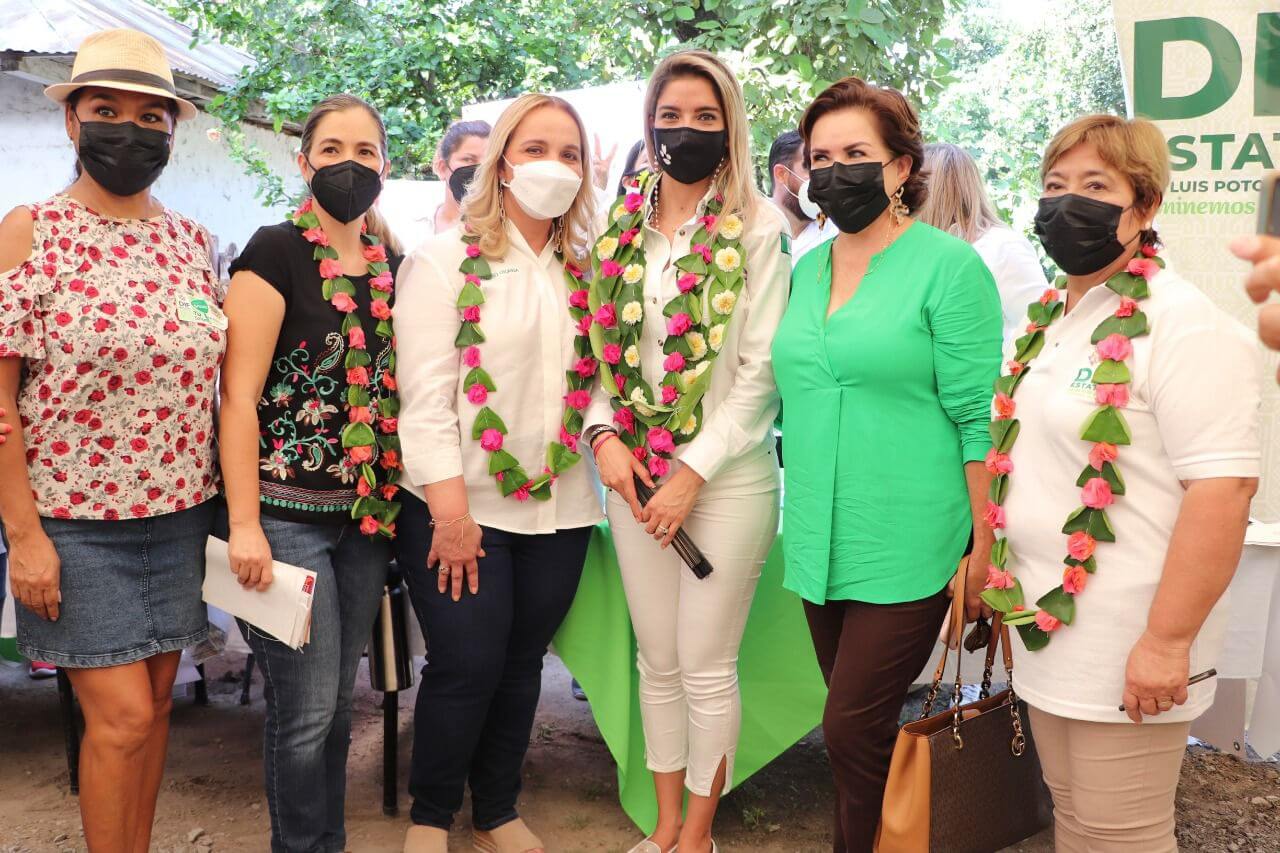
(212, 797)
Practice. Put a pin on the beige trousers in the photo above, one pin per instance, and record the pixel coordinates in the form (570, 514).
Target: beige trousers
(1113, 784)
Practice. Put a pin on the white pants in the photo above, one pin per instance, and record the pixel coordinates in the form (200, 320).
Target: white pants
(688, 630)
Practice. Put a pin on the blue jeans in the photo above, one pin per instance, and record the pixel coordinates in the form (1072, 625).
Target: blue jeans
(483, 675)
(308, 692)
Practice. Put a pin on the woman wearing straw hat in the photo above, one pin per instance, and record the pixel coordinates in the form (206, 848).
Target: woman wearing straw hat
(110, 341)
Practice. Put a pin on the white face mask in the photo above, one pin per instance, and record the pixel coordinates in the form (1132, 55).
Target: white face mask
(544, 188)
(808, 206)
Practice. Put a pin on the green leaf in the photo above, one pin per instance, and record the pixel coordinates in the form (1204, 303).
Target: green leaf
(1033, 638)
(1131, 327)
(479, 376)
(1111, 373)
(1090, 565)
(1056, 602)
(872, 15)
(470, 296)
(344, 285)
(1020, 617)
(478, 267)
(357, 358)
(1003, 434)
(357, 395)
(684, 13)
(326, 289)
(512, 480)
(1109, 473)
(468, 334)
(999, 488)
(1029, 346)
(487, 418)
(1000, 553)
(501, 460)
(1009, 384)
(358, 435)
(1106, 423)
(1004, 600)
(1100, 526)
(561, 458)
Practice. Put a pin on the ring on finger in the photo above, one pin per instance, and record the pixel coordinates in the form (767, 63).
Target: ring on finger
(444, 570)
(1165, 703)
(663, 530)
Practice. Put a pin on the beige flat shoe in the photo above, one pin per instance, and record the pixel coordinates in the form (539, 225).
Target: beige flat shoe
(648, 846)
(426, 839)
(512, 837)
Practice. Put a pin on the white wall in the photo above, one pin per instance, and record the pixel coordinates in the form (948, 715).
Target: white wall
(201, 180)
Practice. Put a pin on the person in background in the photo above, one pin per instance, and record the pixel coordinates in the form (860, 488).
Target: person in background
(496, 372)
(958, 204)
(110, 341)
(309, 453)
(1264, 279)
(456, 160)
(789, 190)
(1151, 459)
(888, 350)
(637, 161)
(716, 472)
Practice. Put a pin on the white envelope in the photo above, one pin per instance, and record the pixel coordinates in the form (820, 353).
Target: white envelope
(282, 610)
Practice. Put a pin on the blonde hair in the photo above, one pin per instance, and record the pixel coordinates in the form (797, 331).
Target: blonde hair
(1134, 147)
(733, 180)
(375, 224)
(482, 209)
(957, 201)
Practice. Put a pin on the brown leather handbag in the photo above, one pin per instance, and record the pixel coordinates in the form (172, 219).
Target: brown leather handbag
(966, 780)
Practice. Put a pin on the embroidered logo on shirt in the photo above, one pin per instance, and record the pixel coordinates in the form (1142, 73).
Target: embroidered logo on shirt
(1082, 383)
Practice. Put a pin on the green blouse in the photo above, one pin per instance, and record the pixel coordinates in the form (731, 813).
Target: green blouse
(885, 402)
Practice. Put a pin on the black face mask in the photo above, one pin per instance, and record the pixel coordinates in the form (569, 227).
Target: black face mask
(850, 194)
(689, 155)
(345, 190)
(459, 179)
(123, 158)
(1079, 233)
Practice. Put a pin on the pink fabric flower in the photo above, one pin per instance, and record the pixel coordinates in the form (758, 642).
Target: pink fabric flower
(477, 394)
(368, 525)
(640, 453)
(316, 235)
(491, 440)
(569, 439)
(1127, 307)
(686, 282)
(578, 299)
(669, 394)
(375, 254)
(704, 250)
(1144, 267)
(389, 491)
(1080, 545)
(343, 303)
(1045, 622)
(612, 353)
(1074, 579)
(1050, 295)
(658, 467)
(522, 493)
(360, 415)
(633, 202)
(1005, 407)
(1015, 367)
(661, 440)
(708, 222)
(471, 356)
(998, 578)
(306, 206)
(585, 367)
(625, 419)
(1115, 346)
(357, 376)
(382, 281)
(363, 489)
(471, 314)
(471, 278)
(380, 309)
(673, 363)
(607, 316)
(1111, 395)
(1149, 250)
(994, 516)
(584, 324)
(1032, 328)
(609, 268)
(473, 250)
(573, 269)
(388, 425)
(998, 463)
(1096, 494)
(578, 400)
(330, 268)
(625, 238)
(1101, 453)
(360, 454)
(678, 324)
(355, 337)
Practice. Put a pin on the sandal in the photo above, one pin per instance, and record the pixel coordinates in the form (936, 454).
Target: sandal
(512, 837)
(648, 846)
(426, 839)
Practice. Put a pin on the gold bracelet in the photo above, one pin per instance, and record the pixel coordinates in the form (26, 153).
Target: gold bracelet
(435, 523)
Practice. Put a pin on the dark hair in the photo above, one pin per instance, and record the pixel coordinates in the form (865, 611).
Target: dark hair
(73, 100)
(897, 119)
(458, 133)
(629, 164)
(783, 150)
(376, 225)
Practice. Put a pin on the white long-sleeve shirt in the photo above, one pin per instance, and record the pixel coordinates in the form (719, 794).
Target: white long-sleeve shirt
(527, 350)
(741, 401)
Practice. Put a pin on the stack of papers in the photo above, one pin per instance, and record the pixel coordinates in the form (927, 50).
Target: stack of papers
(282, 610)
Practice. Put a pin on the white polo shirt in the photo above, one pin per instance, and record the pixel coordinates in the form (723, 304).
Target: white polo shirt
(1193, 413)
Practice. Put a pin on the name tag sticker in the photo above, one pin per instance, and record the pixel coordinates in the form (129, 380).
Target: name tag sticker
(197, 309)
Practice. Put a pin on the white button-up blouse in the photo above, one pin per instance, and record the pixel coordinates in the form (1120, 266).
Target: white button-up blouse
(741, 401)
(528, 349)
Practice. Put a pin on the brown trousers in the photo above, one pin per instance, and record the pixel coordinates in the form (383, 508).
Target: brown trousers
(869, 654)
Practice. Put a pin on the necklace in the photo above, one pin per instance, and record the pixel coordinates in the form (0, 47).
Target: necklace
(375, 508)
(1105, 429)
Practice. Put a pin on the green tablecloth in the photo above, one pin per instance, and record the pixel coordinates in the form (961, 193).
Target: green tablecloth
(782, 689)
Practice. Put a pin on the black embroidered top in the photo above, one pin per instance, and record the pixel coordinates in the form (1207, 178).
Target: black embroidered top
(303, 473)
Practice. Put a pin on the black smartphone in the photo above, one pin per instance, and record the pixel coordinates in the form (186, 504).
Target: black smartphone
(1269, 206)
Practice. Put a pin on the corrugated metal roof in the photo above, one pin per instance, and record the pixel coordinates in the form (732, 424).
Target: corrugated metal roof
(58, 27)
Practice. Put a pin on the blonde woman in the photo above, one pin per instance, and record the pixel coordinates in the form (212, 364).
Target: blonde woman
(958, 204)
(496, 371)
(688, 410)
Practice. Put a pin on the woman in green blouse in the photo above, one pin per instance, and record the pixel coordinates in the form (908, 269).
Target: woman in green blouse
(889, 347)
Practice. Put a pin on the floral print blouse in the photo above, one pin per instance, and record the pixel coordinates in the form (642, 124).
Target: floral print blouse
(118, 324)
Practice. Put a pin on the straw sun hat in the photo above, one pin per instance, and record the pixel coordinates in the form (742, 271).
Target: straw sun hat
(126, 60)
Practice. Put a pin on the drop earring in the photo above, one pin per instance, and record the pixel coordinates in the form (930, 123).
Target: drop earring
(897, 207)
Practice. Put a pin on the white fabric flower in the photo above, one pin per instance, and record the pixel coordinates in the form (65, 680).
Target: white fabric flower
(638, 240)
(606, 246)
(715, 337)
(619, 211)
(728, 259)
(689, 426)
(633, 273)
(632, 313)
(697, 344)
(687, 378)
(637, 397)
(724, 301)
(731, 227)
(701, 368)
(632, 356)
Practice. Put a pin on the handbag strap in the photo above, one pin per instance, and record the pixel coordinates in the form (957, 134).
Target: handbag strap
(999, 636)
(955, 634)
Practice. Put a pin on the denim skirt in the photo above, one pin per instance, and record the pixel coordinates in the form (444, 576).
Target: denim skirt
(130, 589)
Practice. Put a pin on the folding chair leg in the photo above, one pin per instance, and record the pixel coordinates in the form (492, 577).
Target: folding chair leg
(390, 752)
(247, 679)
(202, 687)
(70, 729)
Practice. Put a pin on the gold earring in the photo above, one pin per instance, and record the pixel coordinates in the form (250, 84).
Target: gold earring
(897, 207)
